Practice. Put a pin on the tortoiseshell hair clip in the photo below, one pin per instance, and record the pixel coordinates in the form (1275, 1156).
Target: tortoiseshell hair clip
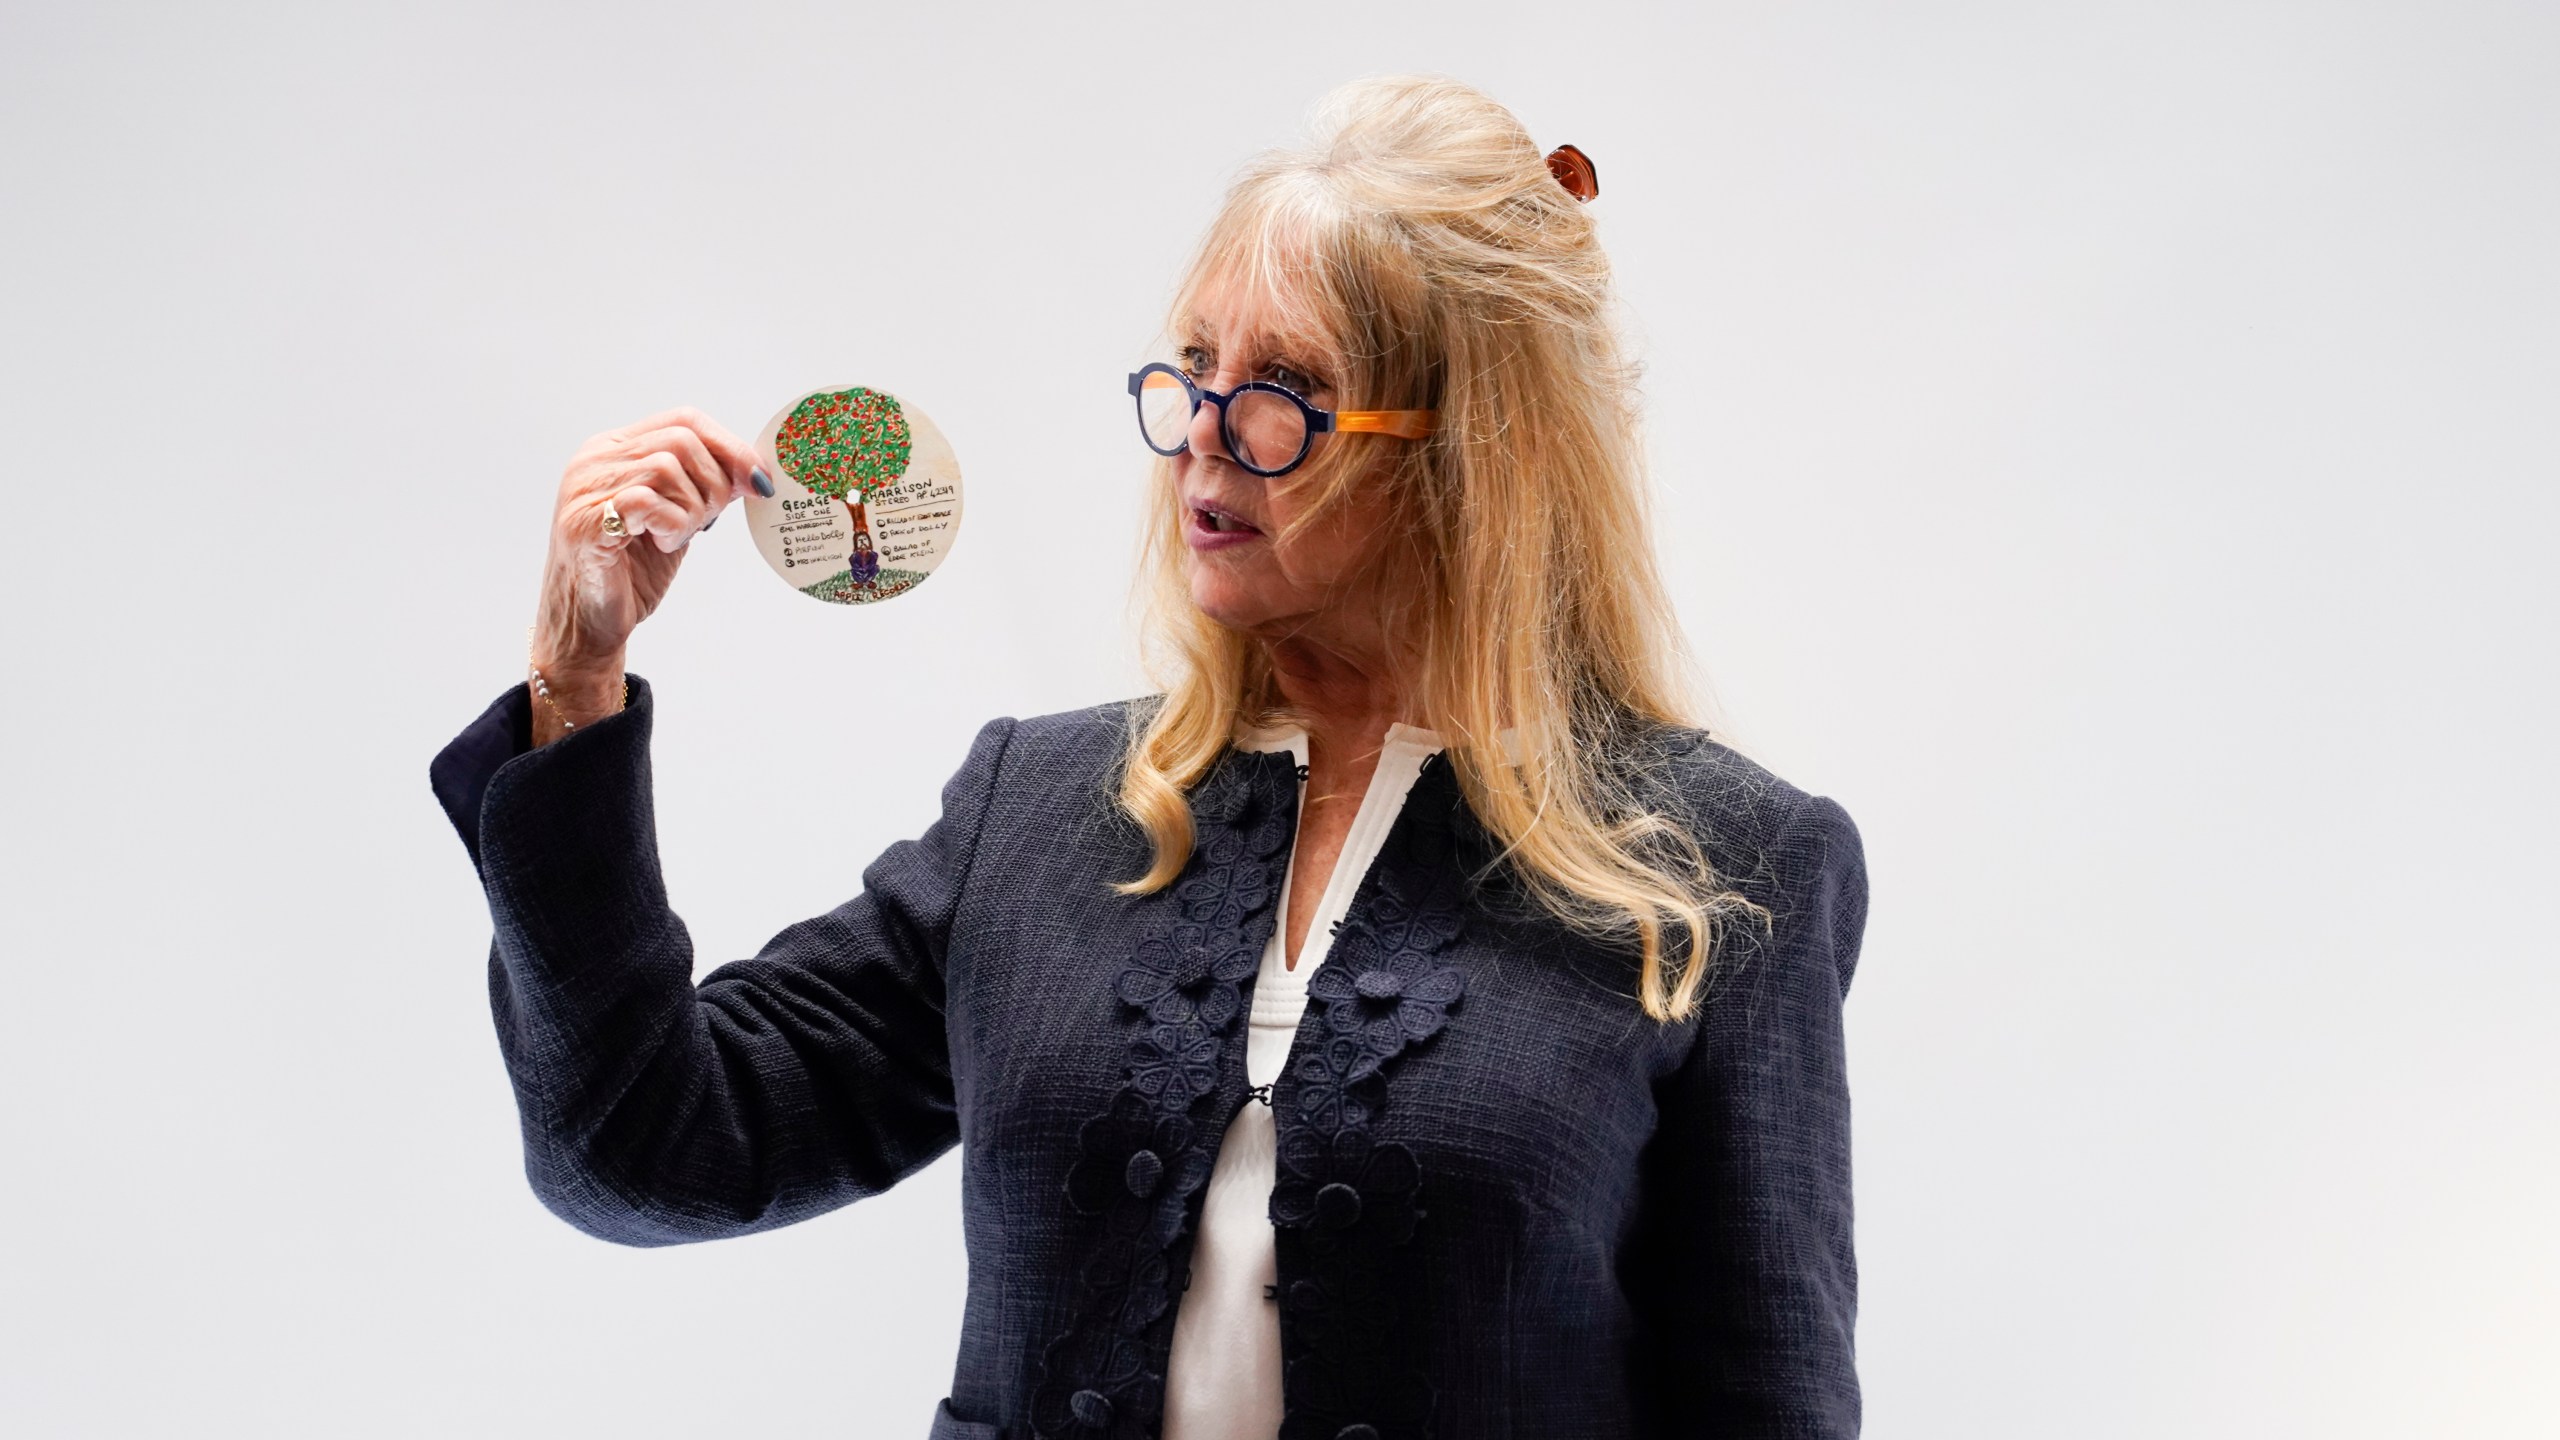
(1575, 172)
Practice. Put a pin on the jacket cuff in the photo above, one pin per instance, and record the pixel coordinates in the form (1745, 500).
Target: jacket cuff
(462, 772)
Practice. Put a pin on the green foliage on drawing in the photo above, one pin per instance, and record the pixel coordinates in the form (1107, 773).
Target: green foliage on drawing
(840, 588)
(845, 444)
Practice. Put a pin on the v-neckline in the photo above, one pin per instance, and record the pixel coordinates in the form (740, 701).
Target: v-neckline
(1402, 756)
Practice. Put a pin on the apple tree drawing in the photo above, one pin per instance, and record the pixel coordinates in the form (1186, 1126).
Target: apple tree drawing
(847, 445)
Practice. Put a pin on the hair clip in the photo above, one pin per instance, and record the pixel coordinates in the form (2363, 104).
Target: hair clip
(1575, 172)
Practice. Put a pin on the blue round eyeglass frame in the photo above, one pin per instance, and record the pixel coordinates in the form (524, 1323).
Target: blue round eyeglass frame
(1404, 424)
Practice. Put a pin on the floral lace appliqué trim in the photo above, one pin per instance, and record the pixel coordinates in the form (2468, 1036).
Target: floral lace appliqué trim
(1346, 1200)
(1142, 1163)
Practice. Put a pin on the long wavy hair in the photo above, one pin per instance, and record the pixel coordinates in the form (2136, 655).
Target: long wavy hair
(1420, 241)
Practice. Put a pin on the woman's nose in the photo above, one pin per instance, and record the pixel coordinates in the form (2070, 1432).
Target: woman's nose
(1208, 437)
(1209, 421)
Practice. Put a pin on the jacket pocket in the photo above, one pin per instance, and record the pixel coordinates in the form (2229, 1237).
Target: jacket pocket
(947, 1426)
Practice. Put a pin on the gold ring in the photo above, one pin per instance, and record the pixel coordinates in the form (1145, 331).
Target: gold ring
(613, 521)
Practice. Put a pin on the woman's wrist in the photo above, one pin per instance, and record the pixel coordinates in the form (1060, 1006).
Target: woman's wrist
(563, 705)
(570, 690)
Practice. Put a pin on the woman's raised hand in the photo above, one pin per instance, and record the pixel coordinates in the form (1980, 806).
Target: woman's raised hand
(667, 477)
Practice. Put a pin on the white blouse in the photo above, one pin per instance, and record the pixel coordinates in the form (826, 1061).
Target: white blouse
(1223, 1380)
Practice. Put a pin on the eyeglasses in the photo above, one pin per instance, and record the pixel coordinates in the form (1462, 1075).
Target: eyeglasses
(1266, 427)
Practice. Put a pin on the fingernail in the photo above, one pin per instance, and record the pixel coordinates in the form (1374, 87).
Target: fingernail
(714, 520)
(762, 482)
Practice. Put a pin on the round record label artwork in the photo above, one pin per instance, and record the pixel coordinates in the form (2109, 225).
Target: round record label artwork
(866, 496)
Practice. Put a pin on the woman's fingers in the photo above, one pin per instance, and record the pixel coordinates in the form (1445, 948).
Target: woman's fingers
(654, 495)
(646, 510)
(669, 477)
(711, 483)
(737, 458)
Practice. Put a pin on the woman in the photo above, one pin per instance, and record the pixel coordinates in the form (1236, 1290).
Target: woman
(1403, 1025)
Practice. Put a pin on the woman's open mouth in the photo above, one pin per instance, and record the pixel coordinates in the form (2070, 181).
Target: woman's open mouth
(1212, 528)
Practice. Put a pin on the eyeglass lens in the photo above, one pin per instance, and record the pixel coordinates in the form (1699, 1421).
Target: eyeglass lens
(1265, 430)
(1164, 411)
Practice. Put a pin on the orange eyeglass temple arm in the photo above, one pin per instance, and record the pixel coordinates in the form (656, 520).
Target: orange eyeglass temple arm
(1402, 424)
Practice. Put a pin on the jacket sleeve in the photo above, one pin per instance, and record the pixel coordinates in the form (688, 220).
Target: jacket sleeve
(1747, 1286)
(657, 1111)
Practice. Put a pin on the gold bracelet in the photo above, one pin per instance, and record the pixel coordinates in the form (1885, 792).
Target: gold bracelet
(542, 687)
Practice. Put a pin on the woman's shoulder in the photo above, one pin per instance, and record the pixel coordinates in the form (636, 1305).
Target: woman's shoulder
(1760, 830)
(1054, 764)
(1078, 743)
(1791, 851)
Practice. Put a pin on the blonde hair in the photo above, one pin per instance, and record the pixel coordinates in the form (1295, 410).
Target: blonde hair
(1420, 238)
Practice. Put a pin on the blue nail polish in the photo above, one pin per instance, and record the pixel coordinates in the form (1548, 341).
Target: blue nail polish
(762, 482)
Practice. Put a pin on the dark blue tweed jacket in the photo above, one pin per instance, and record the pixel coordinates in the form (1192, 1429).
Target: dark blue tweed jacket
(1508, 1204)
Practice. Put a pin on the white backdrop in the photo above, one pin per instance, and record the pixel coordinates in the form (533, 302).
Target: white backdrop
(2109, 447)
